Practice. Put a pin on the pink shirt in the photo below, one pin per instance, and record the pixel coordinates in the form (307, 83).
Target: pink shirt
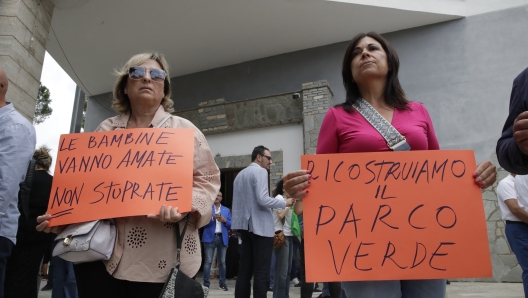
(344, 132)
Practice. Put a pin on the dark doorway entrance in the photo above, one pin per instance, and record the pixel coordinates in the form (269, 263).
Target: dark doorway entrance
(227, 178)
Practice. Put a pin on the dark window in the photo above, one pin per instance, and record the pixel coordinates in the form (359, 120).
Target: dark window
(227, 178)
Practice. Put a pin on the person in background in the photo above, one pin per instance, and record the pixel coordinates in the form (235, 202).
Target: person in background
(512, 146)
(215, 236)
(294, 278)
(273, 257)
(332, 289)
(370, 76)
(64, 281)
(232, 255)
(17, 144)
(142, 99)
(272, 271)
(325, 293)
(48, 269)
(253, 219)
(283, 255)
(24, 263)
(300, 261)
(512, 194)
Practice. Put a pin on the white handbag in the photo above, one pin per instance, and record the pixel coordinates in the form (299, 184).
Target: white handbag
(86, 242)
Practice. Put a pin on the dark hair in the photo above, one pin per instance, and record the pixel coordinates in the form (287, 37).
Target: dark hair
(259, 150)
(393, 93)
(278, 189)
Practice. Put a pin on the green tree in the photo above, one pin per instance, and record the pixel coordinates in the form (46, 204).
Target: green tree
(43, 109)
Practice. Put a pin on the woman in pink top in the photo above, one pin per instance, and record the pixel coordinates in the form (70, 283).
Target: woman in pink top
(370, 71)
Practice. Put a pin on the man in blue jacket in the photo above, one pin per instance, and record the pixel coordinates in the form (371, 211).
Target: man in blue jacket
(215, 236)
(512, 147)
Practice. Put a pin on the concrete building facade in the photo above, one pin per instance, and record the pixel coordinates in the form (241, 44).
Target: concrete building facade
(461, 70)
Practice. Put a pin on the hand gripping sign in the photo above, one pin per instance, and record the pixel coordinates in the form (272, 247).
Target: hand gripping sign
(394, 216)
(121, 173)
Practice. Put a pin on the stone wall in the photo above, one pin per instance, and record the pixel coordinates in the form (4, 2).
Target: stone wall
(308, 106)
(317, 98)
(505, 265)
(242, 161)
(24, 28)
(218, 116)
(276, 171)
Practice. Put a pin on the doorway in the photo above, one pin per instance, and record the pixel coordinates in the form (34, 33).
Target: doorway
(227, 178)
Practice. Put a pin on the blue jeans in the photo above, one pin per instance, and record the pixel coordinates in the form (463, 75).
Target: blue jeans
(221, 249)
(272, 268)
(432, 288)
(296, 244)
(64, 282)
(517, 235)
(325, 290)
(283, 255)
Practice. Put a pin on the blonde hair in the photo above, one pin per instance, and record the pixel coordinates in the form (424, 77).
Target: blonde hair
(43, 157)
(121, 102)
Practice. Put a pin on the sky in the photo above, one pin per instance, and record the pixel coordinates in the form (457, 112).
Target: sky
(62, 92)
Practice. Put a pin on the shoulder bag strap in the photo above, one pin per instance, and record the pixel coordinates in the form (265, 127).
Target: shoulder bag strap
(163, 121)
(179, 238)
(395, 140)
(24, 193)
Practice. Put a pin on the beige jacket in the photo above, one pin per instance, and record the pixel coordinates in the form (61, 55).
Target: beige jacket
(145, 249)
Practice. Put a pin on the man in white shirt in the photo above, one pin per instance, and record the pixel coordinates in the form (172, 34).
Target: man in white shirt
(512, 194)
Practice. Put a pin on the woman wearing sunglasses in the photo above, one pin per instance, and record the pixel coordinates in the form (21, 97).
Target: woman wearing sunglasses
(145, 250)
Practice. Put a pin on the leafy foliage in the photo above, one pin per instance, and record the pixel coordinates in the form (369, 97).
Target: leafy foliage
(43, 109)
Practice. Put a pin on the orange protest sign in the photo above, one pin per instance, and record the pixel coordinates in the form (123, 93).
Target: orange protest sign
(121, 173)
(394, 216)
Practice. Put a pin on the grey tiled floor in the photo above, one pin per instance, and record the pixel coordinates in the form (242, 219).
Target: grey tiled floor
(454, 290)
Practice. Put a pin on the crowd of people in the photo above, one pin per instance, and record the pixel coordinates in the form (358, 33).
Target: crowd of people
(267, 226)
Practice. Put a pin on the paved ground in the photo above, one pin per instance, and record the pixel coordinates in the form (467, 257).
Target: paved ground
(454, 290)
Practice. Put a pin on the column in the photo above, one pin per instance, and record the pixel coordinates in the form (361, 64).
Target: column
(24, 28)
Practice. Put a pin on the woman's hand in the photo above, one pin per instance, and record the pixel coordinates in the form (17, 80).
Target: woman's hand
(485, 175)
(296, 182)
(43, 222)
(169, 214)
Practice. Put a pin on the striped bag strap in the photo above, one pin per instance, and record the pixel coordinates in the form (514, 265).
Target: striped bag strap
(395, 140)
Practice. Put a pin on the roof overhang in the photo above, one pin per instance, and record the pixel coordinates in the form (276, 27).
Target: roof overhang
(90, 38)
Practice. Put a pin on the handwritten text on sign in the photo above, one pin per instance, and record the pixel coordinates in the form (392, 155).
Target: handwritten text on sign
(121, 173)
(394, 216)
